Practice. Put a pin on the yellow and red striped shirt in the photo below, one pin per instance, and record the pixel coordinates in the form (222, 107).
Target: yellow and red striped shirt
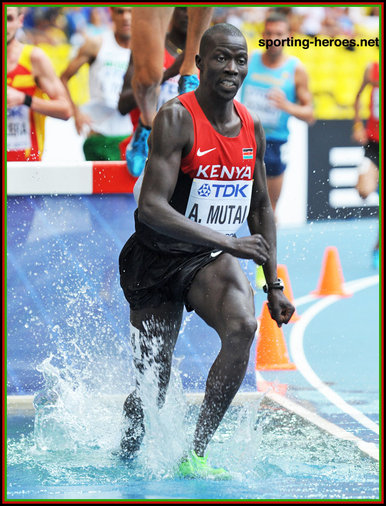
(25, 128)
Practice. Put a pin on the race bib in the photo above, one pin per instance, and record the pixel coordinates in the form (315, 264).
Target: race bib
(18, 128)
(220, 205)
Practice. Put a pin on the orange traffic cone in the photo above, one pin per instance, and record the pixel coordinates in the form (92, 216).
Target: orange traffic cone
(271, 350)
(331, 276)
(282, 273)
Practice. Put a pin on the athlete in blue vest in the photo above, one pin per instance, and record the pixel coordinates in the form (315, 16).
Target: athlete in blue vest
(276, 88)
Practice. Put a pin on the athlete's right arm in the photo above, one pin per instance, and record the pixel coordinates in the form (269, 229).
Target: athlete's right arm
(172, 138)
(86, 54)
(58, 105)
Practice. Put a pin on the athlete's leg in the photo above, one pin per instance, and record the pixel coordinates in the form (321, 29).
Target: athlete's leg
(222, 296)
(198, 21)
(149, 27)
(154, 334)
(274, 185)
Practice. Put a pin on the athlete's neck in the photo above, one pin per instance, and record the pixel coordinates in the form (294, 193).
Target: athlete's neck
(220, 113)
(122, 41)
(14, 48)
(273, 59)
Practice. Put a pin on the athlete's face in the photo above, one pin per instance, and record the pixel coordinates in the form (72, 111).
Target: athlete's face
(121, 17)
(14, 22)
(224, 65)
(276, 30)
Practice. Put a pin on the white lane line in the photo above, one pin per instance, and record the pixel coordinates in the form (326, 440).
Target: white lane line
(349, 286)
(370, 449)
(297, 353)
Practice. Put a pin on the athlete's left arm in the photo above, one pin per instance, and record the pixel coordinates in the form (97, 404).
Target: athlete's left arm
(261, 220)
(304, 108)
(58, 106)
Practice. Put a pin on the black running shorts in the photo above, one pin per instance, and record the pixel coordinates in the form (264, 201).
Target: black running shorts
(372, 152)
(149, 278)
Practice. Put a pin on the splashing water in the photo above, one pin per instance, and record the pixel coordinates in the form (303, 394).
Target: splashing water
(74, 410)
(165, 432)
(80, 408)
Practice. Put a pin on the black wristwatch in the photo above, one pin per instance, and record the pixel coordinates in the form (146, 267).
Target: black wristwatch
(27, 100)
(276, 285)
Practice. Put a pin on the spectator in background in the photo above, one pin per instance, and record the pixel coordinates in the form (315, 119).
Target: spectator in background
(108, 56)
(46, 25)
(30, 75)
(77, 19)
(98, 23)
(310, 19)
(337, 23)
(368, 136)
(84, 22)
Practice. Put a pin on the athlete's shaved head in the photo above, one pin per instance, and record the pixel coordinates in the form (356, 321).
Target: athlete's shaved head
(212, 32)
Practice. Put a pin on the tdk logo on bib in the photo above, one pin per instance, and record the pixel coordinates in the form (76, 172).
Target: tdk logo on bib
(231, 190)
(204, 190)
(223, 190)
(220, 205)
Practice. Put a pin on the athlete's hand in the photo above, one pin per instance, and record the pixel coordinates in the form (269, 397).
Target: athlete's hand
(82, 123)
(253, 247)
(279, 307)
(359, 135)
(174, 68)
(14, 97)
(278, 98)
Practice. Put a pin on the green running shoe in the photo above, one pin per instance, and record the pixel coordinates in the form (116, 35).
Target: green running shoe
(197, 467)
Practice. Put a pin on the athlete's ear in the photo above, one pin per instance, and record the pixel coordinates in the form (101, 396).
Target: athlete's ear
(198, 61)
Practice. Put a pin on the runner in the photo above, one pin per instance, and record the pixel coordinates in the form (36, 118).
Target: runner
(108, 56)
(204, 178)
(30, 76)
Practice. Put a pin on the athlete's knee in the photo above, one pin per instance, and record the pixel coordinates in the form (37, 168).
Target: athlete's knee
(241, 330)
(147, 77)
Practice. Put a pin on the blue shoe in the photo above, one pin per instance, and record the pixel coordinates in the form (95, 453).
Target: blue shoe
(137, 150)
(187, 83)
(375, 259)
